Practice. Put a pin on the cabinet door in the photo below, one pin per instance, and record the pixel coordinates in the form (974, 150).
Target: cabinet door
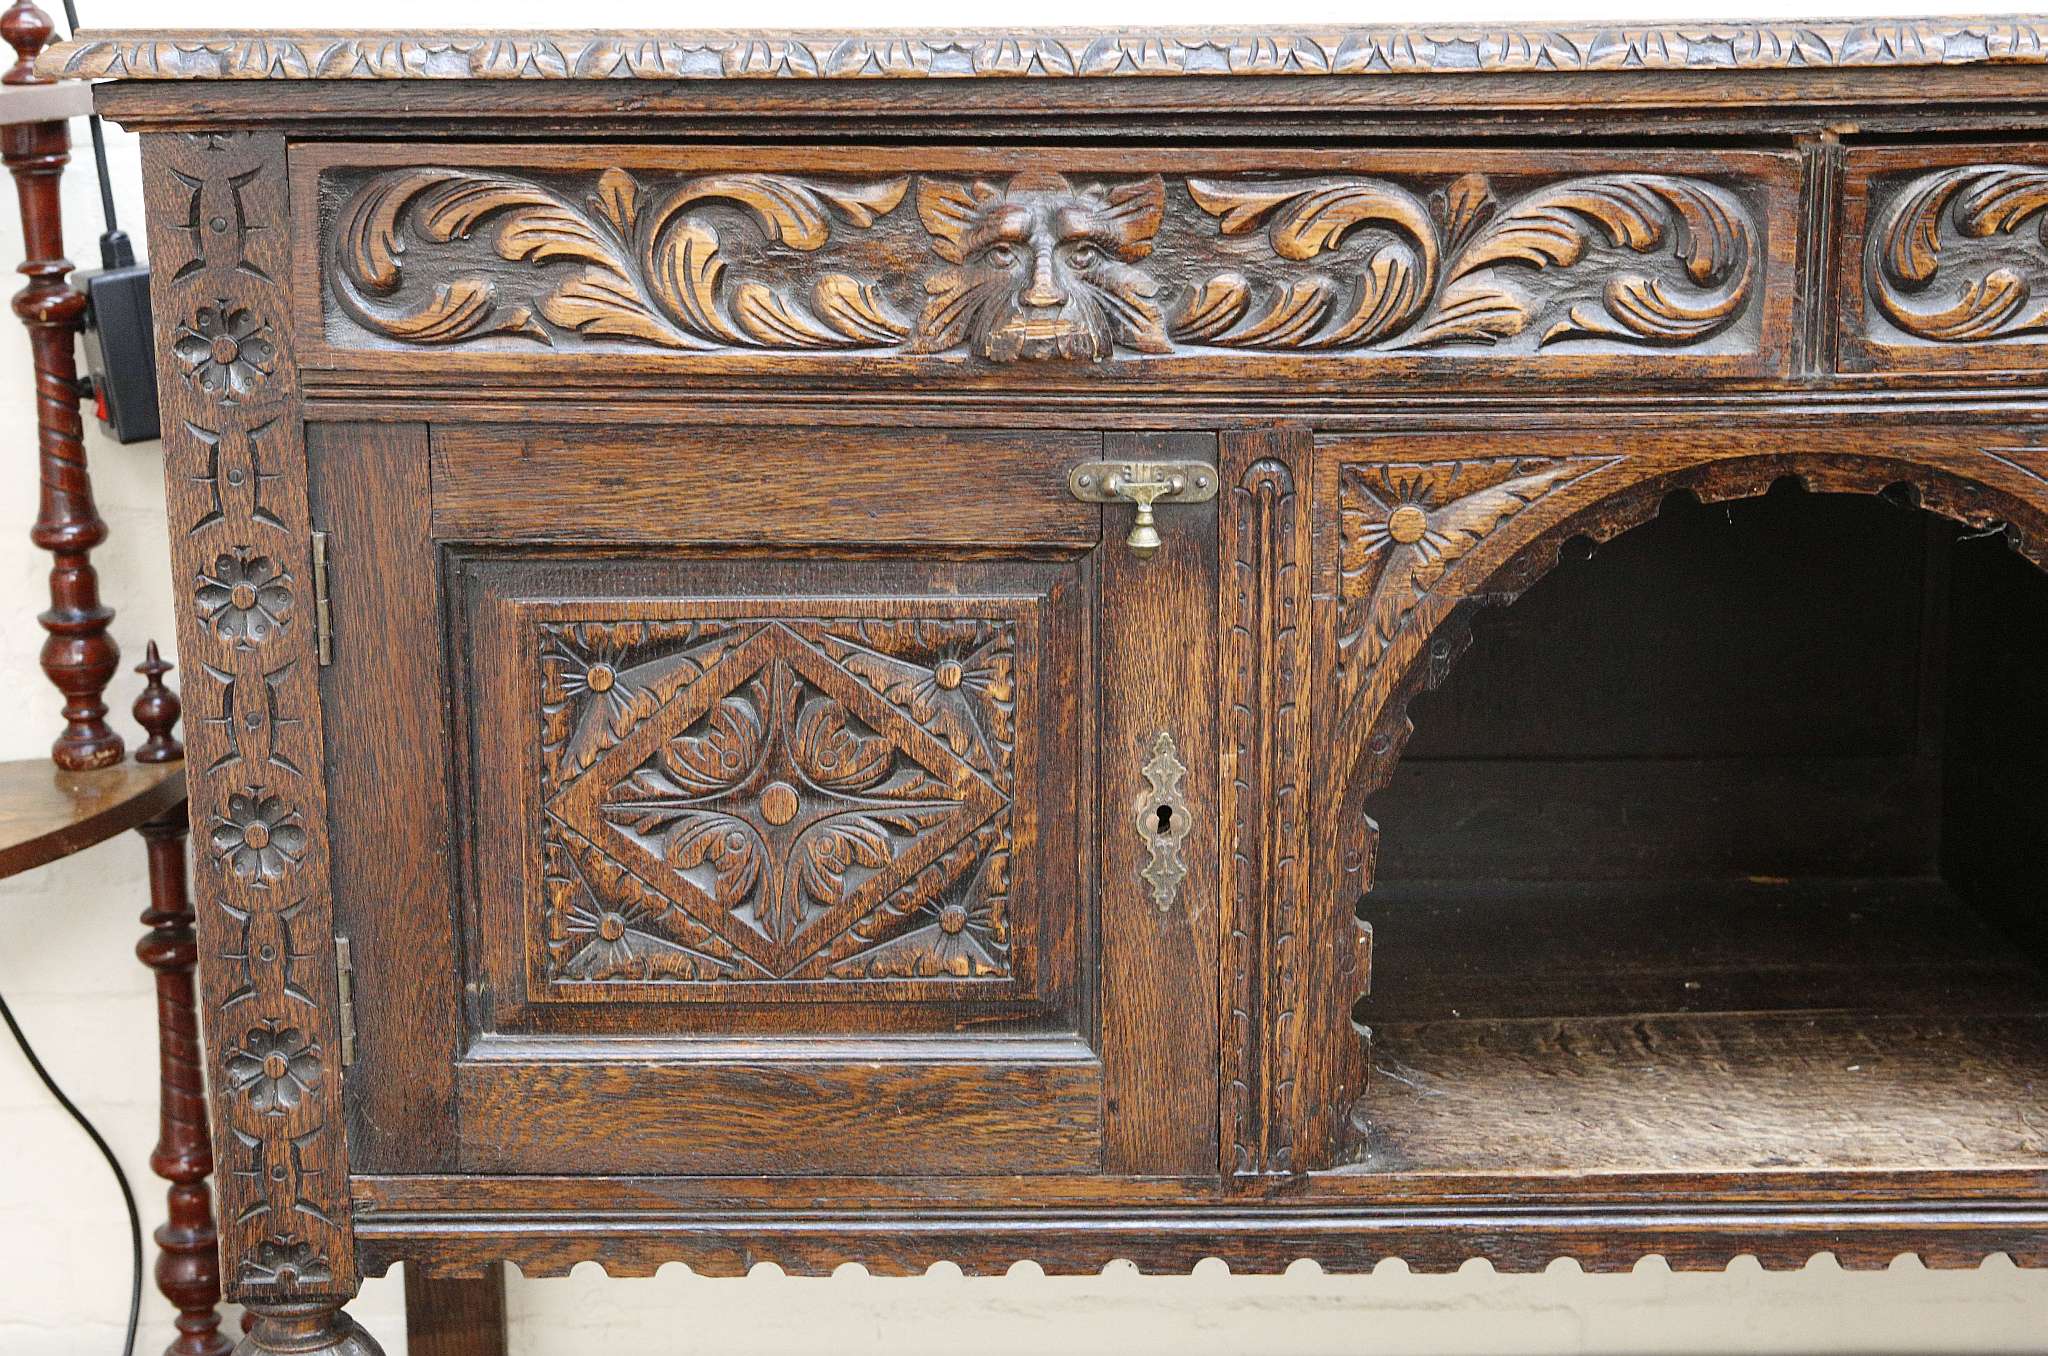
(791, 798)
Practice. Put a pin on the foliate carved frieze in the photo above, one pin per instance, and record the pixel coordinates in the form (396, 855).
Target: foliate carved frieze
(747, 801)
(1958, 257)
(1040, 266)
(1362, 51)
(240, 531)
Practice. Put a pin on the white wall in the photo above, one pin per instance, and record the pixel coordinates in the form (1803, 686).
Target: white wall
(69, 968)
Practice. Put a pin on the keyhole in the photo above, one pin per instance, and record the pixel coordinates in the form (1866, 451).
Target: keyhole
(1165, 821)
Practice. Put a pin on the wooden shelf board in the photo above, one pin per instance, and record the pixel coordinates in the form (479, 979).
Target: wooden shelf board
(1567, 1027)
(47, 813)
(1721, 1093)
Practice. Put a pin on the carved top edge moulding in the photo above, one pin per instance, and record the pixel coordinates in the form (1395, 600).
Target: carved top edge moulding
(936, 54)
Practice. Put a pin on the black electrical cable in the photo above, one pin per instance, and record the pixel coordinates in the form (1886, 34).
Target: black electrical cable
(99, 1142)
(115, 249)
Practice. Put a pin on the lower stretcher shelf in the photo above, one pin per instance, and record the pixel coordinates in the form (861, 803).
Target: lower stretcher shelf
(1700, 1027)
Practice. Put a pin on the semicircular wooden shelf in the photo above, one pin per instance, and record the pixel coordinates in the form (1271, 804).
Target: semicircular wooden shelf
(47, 813)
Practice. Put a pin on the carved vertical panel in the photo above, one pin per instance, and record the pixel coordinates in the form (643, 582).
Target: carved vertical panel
(1282, 1051)
(219, 238)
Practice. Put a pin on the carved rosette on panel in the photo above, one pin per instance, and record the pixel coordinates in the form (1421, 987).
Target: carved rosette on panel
(240, 536)
(731, 802)
(1040, 266)
(1960, 256)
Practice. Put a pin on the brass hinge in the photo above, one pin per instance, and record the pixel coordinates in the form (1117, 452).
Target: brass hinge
(323, 617)
(345, 990)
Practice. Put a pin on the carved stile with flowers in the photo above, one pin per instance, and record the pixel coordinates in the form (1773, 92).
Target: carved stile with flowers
(240, 547)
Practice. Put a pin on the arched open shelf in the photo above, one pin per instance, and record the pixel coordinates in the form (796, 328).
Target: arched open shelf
(1725, 848)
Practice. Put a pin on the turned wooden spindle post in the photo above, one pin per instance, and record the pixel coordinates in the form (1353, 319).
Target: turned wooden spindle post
(188, 1261)
(79, 656)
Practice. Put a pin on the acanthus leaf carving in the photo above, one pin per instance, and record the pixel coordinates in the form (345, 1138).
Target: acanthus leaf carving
(643, 268)
(1307, 218)
(1035, 266)
(1702, 227)
(1445, 273)
(1976, 213)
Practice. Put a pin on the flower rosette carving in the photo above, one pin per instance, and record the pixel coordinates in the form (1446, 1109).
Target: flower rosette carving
(227, 350)
(274, 1068)
(259, 837)
(1395, 271)
(1984, 289)
(621, 263)
(246, 598)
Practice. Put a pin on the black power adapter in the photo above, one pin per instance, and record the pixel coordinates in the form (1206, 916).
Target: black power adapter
(120, 347)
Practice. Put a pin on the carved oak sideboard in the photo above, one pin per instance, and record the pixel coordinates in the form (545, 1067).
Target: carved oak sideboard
(799, 647)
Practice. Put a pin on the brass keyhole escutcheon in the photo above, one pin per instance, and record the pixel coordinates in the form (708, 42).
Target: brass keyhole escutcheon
(1144, 484)
(1163, 819)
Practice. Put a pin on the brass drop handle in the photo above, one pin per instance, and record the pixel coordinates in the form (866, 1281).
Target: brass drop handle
(1143, 483)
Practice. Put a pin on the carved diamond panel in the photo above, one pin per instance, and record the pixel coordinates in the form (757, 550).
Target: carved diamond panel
(775, 799)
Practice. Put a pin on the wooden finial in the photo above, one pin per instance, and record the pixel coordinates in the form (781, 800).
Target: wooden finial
(28, 31)
(157, 710)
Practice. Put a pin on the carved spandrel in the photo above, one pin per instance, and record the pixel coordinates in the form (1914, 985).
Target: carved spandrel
(1041, 266)
(757, 801)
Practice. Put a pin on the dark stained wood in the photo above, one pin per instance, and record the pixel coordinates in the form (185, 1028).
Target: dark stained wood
(388, 762)
(712, 484)
(47, 813)
(1159, 962)
(188, 1253)
(1373, 51)
(1019, 1115)
(692, 459)
(455, 1316)
(1468, 949)
(243, 569)
(1211, 271)
(79, 656)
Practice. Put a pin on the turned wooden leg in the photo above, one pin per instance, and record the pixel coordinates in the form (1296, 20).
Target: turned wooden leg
(305, 1328)
(188, 1260)
(79, 655)
(464, 1317)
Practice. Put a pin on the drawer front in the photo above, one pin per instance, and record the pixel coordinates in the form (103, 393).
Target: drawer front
(617, 264)
(1942, 263)
(777, 837)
